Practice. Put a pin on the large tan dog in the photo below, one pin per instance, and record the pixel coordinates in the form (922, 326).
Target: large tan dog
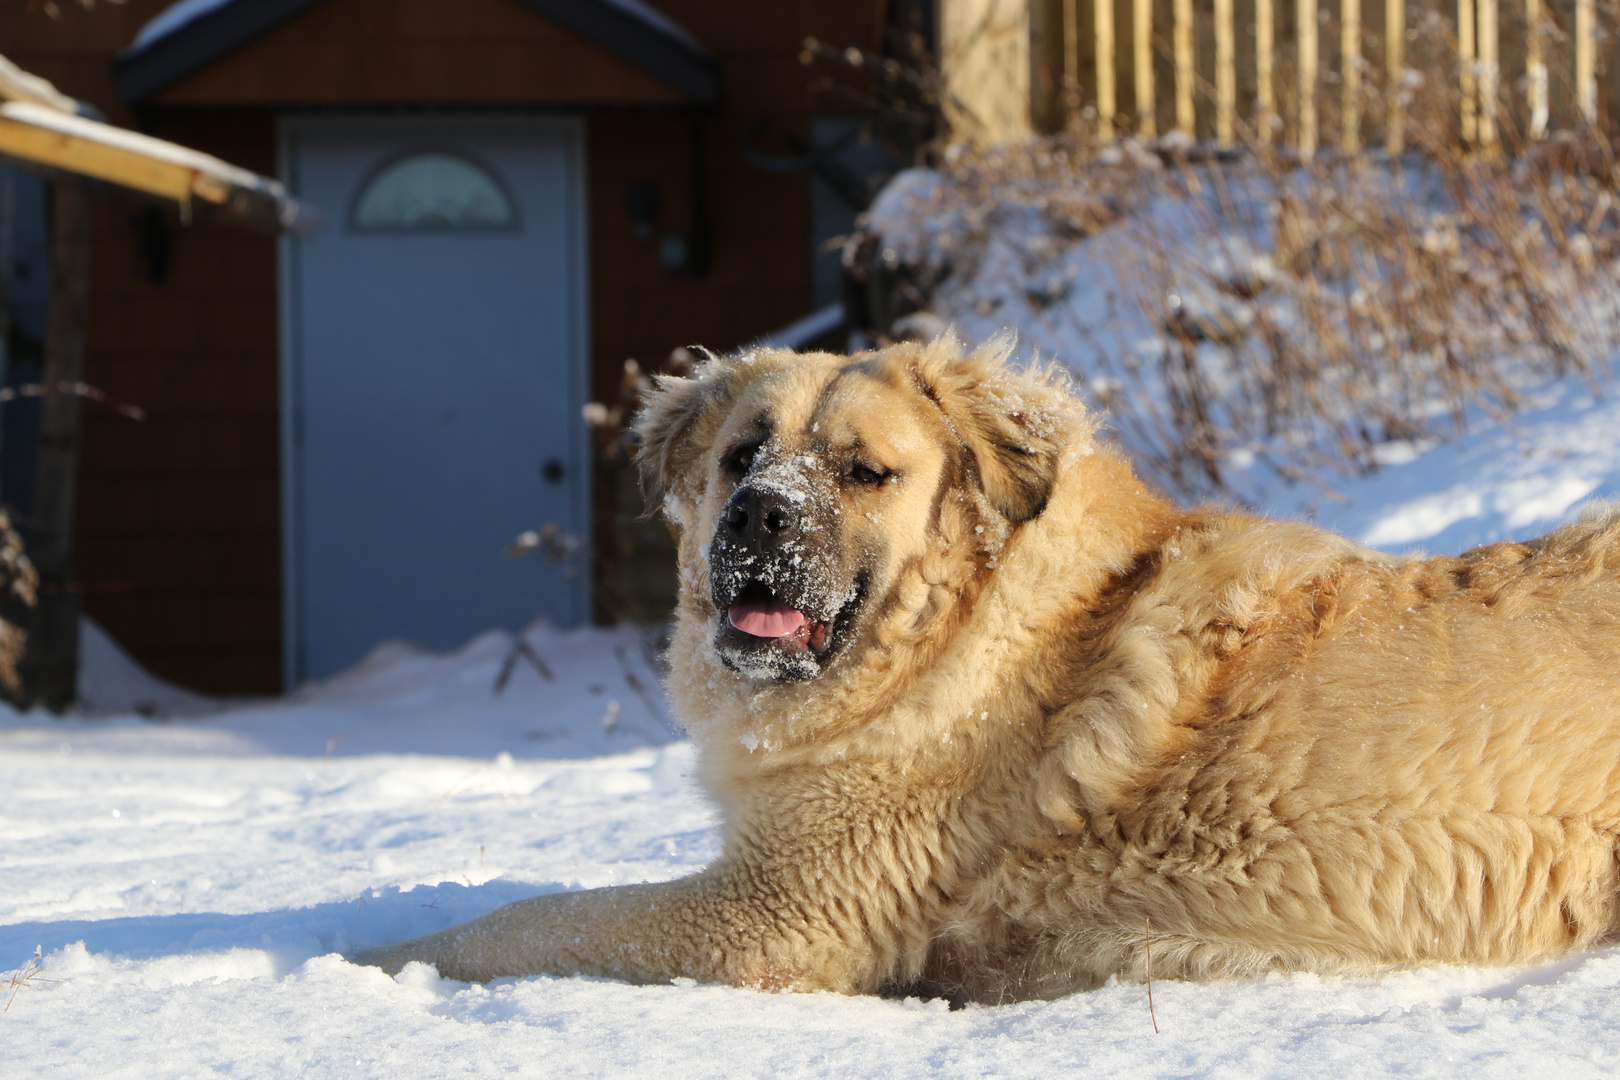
(988, 719)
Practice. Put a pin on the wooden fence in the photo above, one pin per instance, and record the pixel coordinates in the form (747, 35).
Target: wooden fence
(1309, 71)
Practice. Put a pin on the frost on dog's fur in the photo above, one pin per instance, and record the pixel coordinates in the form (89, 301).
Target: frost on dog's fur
(1017, 707)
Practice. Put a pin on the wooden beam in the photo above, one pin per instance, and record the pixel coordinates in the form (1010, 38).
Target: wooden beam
(1225, 74)
(36, 133)
(1103, 18)
(1535, 70)
(1305, 11)
(1265, 92)
(1182, 44)
(49, 668)
(118, 165)
(1147, 123)
(1350, 75)
(1394, 73)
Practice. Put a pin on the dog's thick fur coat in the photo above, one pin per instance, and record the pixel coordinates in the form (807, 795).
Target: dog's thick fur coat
(1031, 708)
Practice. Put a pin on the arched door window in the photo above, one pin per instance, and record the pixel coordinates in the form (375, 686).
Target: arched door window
(432, 190)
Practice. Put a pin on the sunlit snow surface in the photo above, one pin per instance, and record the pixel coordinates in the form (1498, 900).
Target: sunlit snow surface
(192, 881)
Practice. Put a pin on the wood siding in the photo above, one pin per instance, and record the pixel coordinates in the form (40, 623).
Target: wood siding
(179, 516)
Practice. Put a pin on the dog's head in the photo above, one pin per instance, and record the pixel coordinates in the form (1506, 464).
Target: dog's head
(821, 499)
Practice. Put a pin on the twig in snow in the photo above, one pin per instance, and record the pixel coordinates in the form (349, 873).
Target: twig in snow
(523, 649)
(634, 683)
(27, 975)
(1148, 937)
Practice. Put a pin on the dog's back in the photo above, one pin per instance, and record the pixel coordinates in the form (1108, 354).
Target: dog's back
(1361, 762)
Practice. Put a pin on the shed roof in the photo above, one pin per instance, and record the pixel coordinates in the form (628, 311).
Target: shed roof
(192, 34)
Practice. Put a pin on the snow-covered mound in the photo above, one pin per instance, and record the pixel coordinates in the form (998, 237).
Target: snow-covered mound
(1250, 331)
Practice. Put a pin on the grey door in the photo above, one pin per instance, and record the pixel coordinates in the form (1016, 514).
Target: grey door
(434, 369)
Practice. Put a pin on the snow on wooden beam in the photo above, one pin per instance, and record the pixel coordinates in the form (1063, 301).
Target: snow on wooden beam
(42, 135)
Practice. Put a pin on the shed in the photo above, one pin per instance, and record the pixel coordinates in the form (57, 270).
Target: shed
(347, 429)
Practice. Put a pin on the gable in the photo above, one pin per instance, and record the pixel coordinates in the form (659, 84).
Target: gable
(393, 52)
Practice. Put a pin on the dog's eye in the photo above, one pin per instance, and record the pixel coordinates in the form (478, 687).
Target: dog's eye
(741, 459)
(870, 475)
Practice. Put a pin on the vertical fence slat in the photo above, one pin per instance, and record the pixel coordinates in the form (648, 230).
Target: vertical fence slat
(1182, 34)
(1225, 73)
(1585, 59)
(1103, 25)
(1147, 124)
(1466, 68)
(1265, 38)
(1350, 75)
(1306, 20)
(1395, 72)
(1535, 70)
(1071, 53)
(1489, 72)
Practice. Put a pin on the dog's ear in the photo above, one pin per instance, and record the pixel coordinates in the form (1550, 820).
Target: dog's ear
(1014, 424)
(668, 430)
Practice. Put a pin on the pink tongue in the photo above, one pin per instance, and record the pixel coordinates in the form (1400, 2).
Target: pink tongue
(765, 618)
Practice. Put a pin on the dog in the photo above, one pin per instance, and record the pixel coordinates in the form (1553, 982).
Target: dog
(988, 719)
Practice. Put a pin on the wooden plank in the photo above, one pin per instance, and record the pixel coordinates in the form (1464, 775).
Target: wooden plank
(1535, 69)
(1306, 20)
(1103, 19)
(1182, 43)
(103, 162)
(1265, 94)
(49, 669)
(69, 143)
(1394, 73)
(1586, 59)
(1490, 69)
(1142, 47)
(1466, 67)
(1350, 75)
(1225, 74)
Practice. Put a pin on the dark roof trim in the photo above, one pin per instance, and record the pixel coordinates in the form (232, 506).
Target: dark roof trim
(629, 29)
(147, 67)
(643, 38)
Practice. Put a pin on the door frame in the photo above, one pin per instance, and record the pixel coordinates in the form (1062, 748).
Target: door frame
(289, 125)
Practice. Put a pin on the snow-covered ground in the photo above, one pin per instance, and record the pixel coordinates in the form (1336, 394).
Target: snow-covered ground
(192, 881)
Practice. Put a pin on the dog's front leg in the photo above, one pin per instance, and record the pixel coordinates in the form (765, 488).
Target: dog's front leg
(718, 926)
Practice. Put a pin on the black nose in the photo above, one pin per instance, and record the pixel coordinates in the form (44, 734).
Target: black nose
(760, 520)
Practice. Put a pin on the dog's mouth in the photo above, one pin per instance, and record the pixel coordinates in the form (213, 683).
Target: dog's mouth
(769, 634)
(760, 613)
